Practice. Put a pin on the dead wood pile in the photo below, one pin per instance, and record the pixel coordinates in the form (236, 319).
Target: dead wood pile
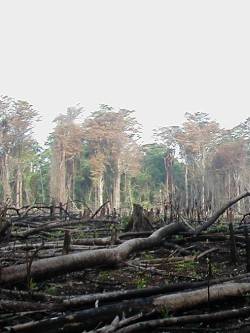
(36, 249)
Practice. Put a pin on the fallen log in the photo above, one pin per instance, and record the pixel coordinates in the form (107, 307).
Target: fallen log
(190, 299)
(27, 295)
(20, 306)
(120, 295)
(219, 212)
(171, 302)
(181, 320)
(45, 268)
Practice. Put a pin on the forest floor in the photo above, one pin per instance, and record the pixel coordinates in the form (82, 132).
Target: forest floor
(204, 259)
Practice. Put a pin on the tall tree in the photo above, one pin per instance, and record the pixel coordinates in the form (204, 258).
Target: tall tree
(66, 145)
(16, 123)
(194, 141)
(110, 135)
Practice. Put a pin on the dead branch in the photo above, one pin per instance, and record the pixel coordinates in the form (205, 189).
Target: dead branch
(219, 212)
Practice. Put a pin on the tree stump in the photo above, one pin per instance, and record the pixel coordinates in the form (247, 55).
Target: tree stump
(140, 222)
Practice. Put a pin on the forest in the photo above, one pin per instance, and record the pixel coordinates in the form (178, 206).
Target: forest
(194, 167)
(100, 232)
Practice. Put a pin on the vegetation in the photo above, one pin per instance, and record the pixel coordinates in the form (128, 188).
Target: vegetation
(86, 161)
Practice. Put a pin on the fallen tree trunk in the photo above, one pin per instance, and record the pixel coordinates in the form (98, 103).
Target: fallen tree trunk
(219, 212)
(90, 300)
(181, 320)
(21, 306)
(190, 299)
(73, 262)
(172, 302)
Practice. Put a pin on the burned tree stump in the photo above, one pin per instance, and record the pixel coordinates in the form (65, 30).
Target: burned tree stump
(140, 221)
(66, 243)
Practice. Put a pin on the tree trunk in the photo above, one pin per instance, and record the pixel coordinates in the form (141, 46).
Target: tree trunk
(172, 302)
(62, 179)
(169, 179)
(58, 176)
(117, 186)
(222, 210)
(100, 190)
(140, 223)
(203, 182)
(19, 187)
(186, 187)
(6, 178)
(42, 186)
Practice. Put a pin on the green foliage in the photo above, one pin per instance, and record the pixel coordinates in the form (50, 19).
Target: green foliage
(142, 282)
(164, 311)
(187, 267)
(32, 285)
(126, 222)
(51, 290)
(147, 256)
(103, 276)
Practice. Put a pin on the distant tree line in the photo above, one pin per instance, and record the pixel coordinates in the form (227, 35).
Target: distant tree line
(193, 167)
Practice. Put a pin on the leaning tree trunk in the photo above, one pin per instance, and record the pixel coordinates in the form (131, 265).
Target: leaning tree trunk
(222, 210)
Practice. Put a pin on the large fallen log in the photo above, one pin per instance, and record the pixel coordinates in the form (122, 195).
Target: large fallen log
(172, 302)
(44, 268)
(190, 299)
(120, 295)
(77, 261)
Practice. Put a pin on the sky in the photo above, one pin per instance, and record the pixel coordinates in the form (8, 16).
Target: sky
(161, 58)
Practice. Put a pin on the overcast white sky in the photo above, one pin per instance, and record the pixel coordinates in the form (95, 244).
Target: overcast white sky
(158, 57)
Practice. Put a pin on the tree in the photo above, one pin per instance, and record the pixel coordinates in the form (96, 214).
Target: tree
(194, 143)
(110, 135)
(66, 145)
(16, 125)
